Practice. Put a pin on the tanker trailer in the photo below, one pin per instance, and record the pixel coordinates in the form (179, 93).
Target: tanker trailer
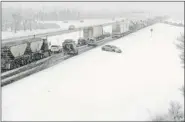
(12, 56)
(45, 48)
(35, 46)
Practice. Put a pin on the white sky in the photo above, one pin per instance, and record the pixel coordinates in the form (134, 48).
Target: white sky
(173, 9)
(113, 6)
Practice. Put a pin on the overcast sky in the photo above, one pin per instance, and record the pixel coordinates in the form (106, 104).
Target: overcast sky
(161, 7)
(154, 6)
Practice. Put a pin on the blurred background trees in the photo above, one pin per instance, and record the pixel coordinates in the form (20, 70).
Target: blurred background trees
(28, 19)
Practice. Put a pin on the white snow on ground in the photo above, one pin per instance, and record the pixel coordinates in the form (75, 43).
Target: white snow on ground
(64, 26)
(177, 21)
(97, 85)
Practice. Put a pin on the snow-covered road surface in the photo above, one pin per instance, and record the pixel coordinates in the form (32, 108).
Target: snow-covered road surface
(99, 85)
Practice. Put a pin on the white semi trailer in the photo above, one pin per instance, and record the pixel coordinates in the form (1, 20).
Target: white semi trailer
(120, 28)
(93, 34)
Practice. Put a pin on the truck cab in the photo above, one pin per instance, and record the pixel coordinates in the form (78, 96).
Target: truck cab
(70, 47)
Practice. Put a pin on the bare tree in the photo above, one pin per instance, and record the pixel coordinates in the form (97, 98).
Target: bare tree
(180, 46)
(12, 27)
(16, 20)
(30, 24)
(175, 112)
(182, 90)
(24, 24)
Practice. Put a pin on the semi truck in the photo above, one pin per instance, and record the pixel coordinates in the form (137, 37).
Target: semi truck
(70, 47)
(93, 34)
(119, 29)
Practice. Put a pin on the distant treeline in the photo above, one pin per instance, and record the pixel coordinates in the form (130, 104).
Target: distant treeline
(18, 19)
(28, 25)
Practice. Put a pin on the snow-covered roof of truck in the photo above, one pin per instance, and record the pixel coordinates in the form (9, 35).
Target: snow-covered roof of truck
(13, 43)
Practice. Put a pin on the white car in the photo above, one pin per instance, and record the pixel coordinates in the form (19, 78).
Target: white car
(56, 48)
(111, 48)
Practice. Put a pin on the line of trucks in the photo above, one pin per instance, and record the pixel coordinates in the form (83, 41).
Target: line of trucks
(17, 54)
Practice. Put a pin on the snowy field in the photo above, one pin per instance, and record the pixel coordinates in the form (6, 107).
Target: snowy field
(64, 26)
(175, 21)
(134, 85)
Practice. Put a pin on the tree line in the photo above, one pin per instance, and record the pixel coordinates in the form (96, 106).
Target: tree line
(28, 19)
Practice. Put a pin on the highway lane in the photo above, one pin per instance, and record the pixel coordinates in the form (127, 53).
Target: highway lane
(17, 74)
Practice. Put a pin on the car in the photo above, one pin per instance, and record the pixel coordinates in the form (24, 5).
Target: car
(70, 47)
(71, 27)
(56, 48)
(82, 41)
(92, 42)
(111, 48)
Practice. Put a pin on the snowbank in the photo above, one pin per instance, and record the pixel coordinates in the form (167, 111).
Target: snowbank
(99, 85)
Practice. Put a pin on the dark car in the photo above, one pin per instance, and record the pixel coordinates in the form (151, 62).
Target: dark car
(82, 41)
(111, 48)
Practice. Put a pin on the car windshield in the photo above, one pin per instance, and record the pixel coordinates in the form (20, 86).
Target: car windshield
(107, 45)
(113, 46)
(54, 46)
(68, 40)
(81, 39)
